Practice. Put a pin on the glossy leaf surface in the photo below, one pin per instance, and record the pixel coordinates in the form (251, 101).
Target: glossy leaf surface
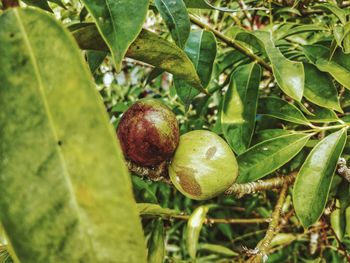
(288, 74)
(119, 23)
(281, 109)
(66, 193)
(265, 157)
(313, 182)
(319, 88)
(240, 106)
(155, 51)
(201, 49)
(175, 15)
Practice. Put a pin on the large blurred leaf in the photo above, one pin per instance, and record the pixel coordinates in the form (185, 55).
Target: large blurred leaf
(156, 243)
(149, 48)
(315, 177)
(66, 193)
(281, 109)
(265, 157)
(201, 49)
(176, 18)
(119, 23)
(240, 106)
(338, 66)
(319, 88)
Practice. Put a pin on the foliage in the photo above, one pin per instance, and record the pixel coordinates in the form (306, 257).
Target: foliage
(270, 77)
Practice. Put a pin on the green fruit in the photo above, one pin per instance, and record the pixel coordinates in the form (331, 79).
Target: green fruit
(203, 165)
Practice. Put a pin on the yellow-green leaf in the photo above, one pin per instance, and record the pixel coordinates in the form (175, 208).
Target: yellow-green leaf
(65, 191)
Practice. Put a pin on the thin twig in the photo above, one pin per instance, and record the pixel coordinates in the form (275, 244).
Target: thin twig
(261, 185)
(263, 246)
(211, 221)
(341, 246)
(231, 42)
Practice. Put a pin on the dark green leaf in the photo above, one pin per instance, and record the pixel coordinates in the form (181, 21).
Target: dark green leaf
(319, 88)
(288, 74)
(240, 106)
(269, 134)
(156, 244)
(39, 3)
(281, 109)
(289, 29)
(197, 4)
(201, 49)
(149, 48)
(338, 66)
(176, 18)
(266, 157)
(338, 12)
(321, 115)
(66, 193)
(95, 59)
(315, 177)
(119, 23)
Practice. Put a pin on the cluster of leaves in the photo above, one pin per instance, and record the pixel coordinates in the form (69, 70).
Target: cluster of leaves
(275, 85)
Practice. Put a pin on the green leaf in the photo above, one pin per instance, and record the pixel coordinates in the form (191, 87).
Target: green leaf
(156, 244)
(269, 134)
(217, 249)
(175, 15)
(266, 157)
(66, 193)
(319, 88)
(149, 48)
(322, 115)
(338, 66)
(39, 3)
(194, 226)
(315, 177)
(95, 59)
(338, 220)
(240, 106)
(288, 74)
(335, 10)
(281, 109)
(289, 29)
(119, 23)
(201, 49)
(147, 209)
(201, 4)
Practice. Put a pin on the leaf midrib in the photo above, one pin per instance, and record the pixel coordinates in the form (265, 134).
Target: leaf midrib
(40, 87)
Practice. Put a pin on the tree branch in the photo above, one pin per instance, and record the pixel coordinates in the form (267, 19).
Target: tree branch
(343, 170)
(261, 185)
(263, 246)
(231, 42)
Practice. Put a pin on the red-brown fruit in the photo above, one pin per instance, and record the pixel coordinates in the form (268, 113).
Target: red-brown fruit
(148, 132)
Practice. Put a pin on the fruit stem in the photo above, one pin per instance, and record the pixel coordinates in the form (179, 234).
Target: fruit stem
(263, 246)
(240, 190)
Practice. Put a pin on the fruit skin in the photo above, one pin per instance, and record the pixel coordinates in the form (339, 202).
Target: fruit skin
(148, 132)
(203, 166)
